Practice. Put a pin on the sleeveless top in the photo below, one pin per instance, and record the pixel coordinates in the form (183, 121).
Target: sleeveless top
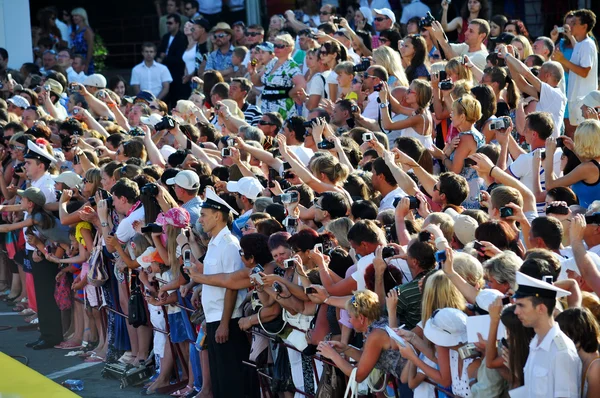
(389, 361)
(463, 29)
(426, 140)
(587, 193)
(473, 180)
(460, 382)
(80, 46)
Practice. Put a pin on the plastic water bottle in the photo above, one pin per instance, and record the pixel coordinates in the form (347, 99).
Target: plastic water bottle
(73, 385)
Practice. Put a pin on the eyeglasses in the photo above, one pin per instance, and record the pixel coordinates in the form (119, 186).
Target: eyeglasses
(280, 46)
(16, 147)
(366, 75)
(252, 34)
(379, 19)
(49, 52)
(323, 53)
(265, 123)
(219, 35)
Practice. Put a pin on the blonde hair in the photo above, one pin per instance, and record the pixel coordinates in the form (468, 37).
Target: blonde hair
(286, 38)
(469, 269)
(469, 106)
(587, 139)
(461, 87)
(330, 166)
(82, 13)
(95, 177)
(456, 66)
(339, 228)
(527, 50)
(173, 261)
(423, 91)
(391, 61)
(440, 292)
(186, 108)
(365, 303)
(346, 67)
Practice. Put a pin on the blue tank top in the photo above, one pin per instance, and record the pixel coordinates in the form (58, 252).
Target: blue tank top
(587, 193)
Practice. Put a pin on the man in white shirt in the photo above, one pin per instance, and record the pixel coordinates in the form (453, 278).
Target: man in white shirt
(295, 132)
(74, 66)
(583, 65)
(372, 79)
(538, 127)
(553, 368)
(385, 183)
(150, 75)
(544, 88)
(383, 19)
(227, 344)
(476, 33)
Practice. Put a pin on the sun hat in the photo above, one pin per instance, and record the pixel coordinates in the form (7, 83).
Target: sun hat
(447, 327)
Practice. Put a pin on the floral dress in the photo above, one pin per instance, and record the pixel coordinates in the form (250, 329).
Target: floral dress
(473, 180)
(80, 46)
(278, 82)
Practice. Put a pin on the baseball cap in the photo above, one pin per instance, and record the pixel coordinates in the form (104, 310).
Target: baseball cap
(95, 80)
(166, 151)
(186, 179)
(202, 22)
(486, 297)
(177, 217)
(68, 178)
(148, 256)
(33, 194)
(177, 158)
(447, 327)
(151, 120)
(18, 101)
(592, 99)
(145, 95)
(250, 187)
(266, 46)
(55, 87)
(464, 228)
(387, 12)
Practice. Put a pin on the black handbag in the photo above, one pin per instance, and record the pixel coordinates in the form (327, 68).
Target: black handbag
(137, 306)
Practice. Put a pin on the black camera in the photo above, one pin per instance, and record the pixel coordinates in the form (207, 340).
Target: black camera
(18, 168)
(469, 162)
(58, 195)
(414, 203)
(425, 236)
(354, 109)
(150, 189)
(286, 166)
(557, 209)
(325, 145)
(446, 85)
(427, 21)
(167, 123)
(506, 212)
(104, 193)
(309, 123)
(365, 63)
(560, 142)
(152, 228)
(478, 246)
(136, 132)
(109, 202)
(388, 252)
(443, 75)
(288, 174)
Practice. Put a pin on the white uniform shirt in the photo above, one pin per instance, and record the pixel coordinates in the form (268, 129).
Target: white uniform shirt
(553, 368)
(223, 256)
(388, 201)
(150, 78)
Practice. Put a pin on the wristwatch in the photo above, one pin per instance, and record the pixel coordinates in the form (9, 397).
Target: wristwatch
(104, 224)
(384, 105)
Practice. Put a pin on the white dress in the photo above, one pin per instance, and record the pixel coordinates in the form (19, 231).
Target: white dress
(460, 382)
(189, 57)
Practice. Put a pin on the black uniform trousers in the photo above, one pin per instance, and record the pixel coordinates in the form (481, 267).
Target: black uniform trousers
(44, 274)
(229, 376)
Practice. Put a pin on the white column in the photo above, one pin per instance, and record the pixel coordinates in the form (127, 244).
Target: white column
(15, 32)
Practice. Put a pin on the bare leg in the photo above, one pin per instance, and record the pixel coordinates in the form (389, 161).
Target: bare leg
(67, 324)
(16, 288)
(206, 383)
(93, 332)
(23, 292)
(166, 368)
(144, 337)
(78, 322)
(101, 352)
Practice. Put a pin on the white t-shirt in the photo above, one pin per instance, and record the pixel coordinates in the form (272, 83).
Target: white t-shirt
(371, 111)
(584, 55)
(125, 229)
(303, 153)
(553, 101)
(332, 79)
(317, 85)
(388, 200)
(522, 169)
(150, 78)
(477, 57)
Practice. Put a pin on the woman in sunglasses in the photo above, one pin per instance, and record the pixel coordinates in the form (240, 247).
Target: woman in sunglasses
(282, 79)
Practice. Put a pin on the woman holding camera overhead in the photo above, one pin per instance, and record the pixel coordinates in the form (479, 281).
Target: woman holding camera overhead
(470, 10)
(282, 79)
(466, 111)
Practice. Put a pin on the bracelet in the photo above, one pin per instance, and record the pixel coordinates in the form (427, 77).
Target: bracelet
(492, 169)
(325, 301)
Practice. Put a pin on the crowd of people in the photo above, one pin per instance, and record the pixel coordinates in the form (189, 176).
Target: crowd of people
(346, 195)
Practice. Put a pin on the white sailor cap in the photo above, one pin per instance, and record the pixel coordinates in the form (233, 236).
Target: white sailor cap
(36, 152)
(531, 287)
(213, 201)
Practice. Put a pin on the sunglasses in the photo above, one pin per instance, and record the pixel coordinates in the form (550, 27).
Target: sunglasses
(366, 75)
(280, 46)
(16, 147)
(252, 34)
(219, 36)
(265, 123)
(170, 23)
(380, 19)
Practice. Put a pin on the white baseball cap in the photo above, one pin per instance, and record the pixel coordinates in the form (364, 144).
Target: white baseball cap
(387, 12)
(186, 179)
(95, 80)
(69, 178)
(151, 120)
(464, 228)
(250, 187)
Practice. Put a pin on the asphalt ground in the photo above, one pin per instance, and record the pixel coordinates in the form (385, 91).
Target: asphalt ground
(53, 364)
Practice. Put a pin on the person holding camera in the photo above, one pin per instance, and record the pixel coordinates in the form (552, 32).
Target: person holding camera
(186, 185)
(477, 32)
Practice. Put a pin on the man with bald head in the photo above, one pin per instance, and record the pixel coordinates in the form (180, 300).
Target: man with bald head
(545, 88)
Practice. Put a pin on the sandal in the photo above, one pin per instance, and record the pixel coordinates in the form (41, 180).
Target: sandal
(183, 393)
(93, 358)
(127, 358)
(31, 318)
(68, 345)
(20, 307)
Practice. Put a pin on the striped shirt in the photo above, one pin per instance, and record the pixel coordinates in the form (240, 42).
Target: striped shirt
(408, 309)
(252, 113)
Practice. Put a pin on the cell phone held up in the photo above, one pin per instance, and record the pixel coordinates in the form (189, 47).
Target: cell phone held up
(506, 212)
(152, 228)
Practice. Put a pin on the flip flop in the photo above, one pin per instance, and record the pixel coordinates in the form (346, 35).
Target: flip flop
(94, 358)
(67, 345)
(183, 392)
(146, 392)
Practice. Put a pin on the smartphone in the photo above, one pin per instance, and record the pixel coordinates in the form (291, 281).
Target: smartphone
(560, 30)
(257, 279)
(291, 197)
(231, 142)
(440, 256)
(310, 290)
(225, 152)
(187, 258)
(366, 137)
(478, 246)
(277, 287)
(505, 300)
(506, 212)
(291, 222)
